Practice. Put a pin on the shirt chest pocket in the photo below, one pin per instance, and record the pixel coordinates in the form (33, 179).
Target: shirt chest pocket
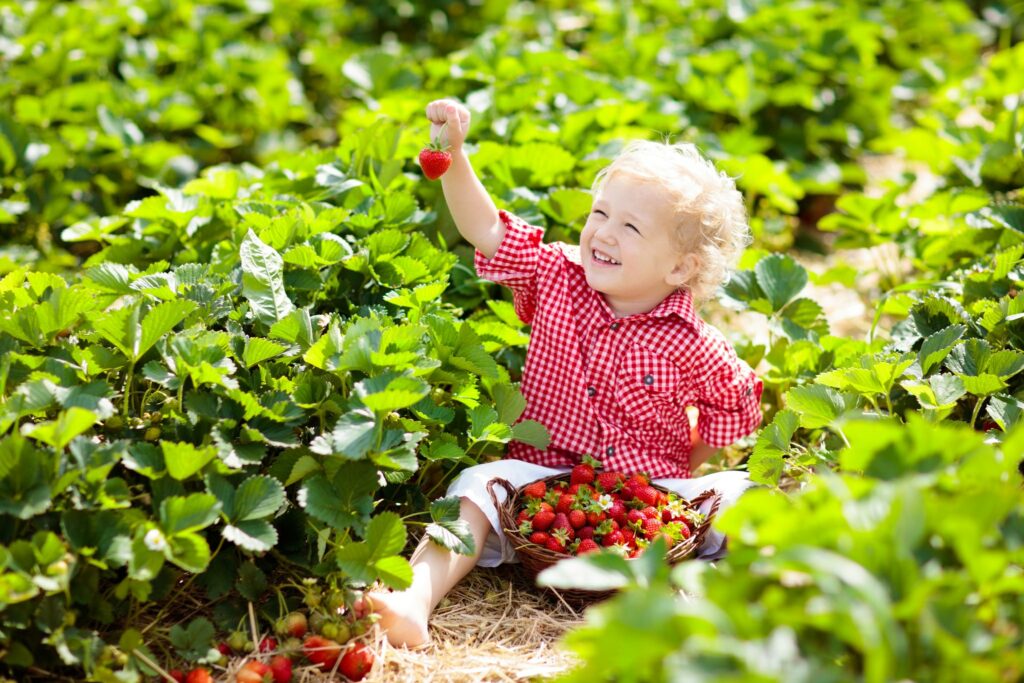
(647, 388)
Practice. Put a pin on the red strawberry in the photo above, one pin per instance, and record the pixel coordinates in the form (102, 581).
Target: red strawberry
(618, 512)
(565, 502)
(587, 546)
(268, 644)
(635, 517)
(666, 515)
(582, 474)
(647, 494)
(562, 524)
(609, 480)
(613, 538)
(542, 520)
(535, 490)
(651, 527)
(199, 675)
(357, 662)
(177, 674)
(539, 537)
(281, 669)
(435, 160)
(523, 516)
(595, 518)
(555, 545)
(650, 512)
(577, 518)
(322, 651)
(638, 480)
(585, 532)
(252, 672)
(628, 536)
(626, 492)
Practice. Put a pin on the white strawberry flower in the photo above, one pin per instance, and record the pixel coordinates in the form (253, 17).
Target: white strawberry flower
(677, 508)
(605, 501)
(155, 540)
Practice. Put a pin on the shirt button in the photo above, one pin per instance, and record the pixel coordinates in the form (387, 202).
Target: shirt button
(749, 391)
(591, 391)
(648, 380)
(615, 326)
(611, 450)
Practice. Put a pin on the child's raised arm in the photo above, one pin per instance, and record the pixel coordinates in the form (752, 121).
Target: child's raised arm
(471, 207)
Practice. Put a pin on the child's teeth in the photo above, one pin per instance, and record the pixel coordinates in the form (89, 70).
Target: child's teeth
(605, 259)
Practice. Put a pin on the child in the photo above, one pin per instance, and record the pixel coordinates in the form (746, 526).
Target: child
(617, 353)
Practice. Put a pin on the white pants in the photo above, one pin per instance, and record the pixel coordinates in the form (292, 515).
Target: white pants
(472, 484)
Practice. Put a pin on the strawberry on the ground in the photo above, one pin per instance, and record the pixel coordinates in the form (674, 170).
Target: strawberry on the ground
(321, 651)
(177, 674)
(252, 672)
(281, 668)
(357, 662)
(539, 537)
(577, 519)
(268, 644)
(237, 641)
(435, 160)
(199, 675)
(535, 490)
(587, 545)
(542, 520)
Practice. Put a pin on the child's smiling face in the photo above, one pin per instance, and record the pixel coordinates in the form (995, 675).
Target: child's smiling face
(627, 247)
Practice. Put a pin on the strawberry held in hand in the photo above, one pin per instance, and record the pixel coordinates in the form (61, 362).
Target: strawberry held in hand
(435, 159)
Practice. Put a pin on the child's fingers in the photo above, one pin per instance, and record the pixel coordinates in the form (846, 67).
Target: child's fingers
(437, 111)
(454, 121)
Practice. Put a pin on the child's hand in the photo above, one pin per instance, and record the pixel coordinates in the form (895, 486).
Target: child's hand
(440, 112)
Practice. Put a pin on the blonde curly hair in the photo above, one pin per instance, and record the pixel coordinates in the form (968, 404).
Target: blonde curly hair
(712, 219)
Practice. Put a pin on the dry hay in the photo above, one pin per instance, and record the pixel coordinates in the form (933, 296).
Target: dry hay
(494, 626)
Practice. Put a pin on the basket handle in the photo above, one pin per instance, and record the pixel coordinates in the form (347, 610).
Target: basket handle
(507, 521)
(701, 498)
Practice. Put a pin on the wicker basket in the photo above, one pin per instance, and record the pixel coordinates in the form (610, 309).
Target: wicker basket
(535, 558)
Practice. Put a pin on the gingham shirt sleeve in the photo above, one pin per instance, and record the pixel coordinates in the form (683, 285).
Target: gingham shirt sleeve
(729, 399)
(515, 264)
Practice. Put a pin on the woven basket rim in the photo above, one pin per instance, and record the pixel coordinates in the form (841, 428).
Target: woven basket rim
(546, 557)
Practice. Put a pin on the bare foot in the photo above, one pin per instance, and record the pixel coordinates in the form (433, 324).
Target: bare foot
(402, 616)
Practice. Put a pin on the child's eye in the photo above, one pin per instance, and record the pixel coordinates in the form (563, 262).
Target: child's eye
(599, 212)
(633, 228)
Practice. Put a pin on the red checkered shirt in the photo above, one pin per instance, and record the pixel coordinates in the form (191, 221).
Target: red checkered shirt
(616, 388)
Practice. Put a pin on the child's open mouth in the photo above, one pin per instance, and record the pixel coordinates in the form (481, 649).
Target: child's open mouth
(603, 259)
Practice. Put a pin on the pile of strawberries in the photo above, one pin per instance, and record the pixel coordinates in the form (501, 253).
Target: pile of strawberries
(602, 509)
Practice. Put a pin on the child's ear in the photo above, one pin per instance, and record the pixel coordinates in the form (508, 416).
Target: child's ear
(685, 270)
